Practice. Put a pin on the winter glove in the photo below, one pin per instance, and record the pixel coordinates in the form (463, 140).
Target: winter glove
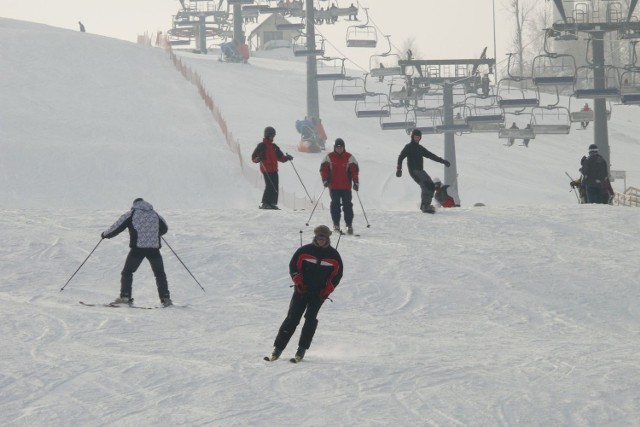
(257, 159)
(574, 184)
(324, 294)
(102, 235)
(399, 172)
(297, 281)
(447, 163)
(356, 185)
(289, 157)
(325, 182)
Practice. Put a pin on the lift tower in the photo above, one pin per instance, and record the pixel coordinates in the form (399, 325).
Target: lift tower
(596, 18)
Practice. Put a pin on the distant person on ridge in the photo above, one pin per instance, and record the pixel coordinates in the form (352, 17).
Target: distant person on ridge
(146, 227)
(82, 30)
(316, 270)
(339, 172)
(268, 154)
(414, 152)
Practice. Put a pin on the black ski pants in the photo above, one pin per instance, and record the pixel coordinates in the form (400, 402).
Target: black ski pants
(426, 185)
(341, 197)
(300, 303)
(270, 195)
(133, 261)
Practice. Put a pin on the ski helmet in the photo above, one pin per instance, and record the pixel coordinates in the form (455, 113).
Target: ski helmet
(339, 143)
(269, 132)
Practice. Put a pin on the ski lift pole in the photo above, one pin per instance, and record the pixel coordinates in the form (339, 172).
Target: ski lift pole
(174, 252)
(363, 212)
(315, 206)
(303, 186)
(88, 256)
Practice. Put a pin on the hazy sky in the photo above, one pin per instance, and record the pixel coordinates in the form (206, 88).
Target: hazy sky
(441, 29)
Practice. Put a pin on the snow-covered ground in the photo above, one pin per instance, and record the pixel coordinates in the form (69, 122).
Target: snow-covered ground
(524, 312)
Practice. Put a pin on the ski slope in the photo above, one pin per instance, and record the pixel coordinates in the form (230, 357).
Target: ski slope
(523, 312)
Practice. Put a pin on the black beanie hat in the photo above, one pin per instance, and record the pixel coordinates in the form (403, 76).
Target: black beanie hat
(339, 143)
(416, 132)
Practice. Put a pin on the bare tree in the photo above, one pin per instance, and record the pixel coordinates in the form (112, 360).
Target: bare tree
(522, 11)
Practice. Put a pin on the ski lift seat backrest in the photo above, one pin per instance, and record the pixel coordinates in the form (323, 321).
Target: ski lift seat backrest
(551, 129)
(605, 93)
(518, 102)
(516, 133)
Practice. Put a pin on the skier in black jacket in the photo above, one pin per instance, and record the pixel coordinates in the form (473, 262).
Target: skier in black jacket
(595, 175)
(145, 229)
(316, 270)
(414, 152)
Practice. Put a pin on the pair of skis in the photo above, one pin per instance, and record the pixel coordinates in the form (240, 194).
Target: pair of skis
(273, 358)
(112, 305)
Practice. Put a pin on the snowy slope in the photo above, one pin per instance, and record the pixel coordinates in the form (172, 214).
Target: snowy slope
(521, 313)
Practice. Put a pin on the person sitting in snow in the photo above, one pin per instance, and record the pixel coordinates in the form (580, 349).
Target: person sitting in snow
(441, 195)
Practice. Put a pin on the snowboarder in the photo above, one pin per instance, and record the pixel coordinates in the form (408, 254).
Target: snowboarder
(268, 154)
(595, 175)
(414, 152)
(339, 172)
(316, 270)
(145, 229)
(441, 195)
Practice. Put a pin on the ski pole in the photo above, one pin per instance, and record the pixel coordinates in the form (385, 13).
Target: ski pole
(363, 212)
(303, 186)
(315, 206)
(91, 253)
(174, 252)
(338, 242)
(572, 187)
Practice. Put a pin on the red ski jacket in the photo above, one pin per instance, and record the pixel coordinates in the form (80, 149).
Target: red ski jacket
(340, 169)
(268, 154)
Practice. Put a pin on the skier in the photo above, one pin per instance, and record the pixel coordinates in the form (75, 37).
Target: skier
(316, 270)
(596, 177)
(145, 229)
(268, 154)
(82, 29)
(579, 183)
(441, 195)
(339, 172)
(414, 152)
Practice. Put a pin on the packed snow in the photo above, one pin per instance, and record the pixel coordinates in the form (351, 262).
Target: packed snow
(522, 312)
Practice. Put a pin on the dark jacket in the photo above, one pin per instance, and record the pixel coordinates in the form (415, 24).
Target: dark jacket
(144, 224)
(319, 266)
(594, 170)
(414, 152)
(268, 154)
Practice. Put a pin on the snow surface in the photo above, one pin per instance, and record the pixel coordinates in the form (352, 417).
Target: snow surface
(523, 312)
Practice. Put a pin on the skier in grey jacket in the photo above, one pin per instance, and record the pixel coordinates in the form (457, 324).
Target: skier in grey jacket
(145, 229)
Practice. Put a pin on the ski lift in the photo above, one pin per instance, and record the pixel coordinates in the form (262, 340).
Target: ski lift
(362, 35)
(513, 91)
(385, 64)
(512, 133)
(483, 114)
(374, 105)
(553, 69)
(283, 24)
(300, 47)
(349, 89)
(330, 69)
(550, 120)
(399, 118)
(630, 89)
(586, 80)
(233, 2)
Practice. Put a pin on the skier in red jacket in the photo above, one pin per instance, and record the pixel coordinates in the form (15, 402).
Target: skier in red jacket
(339, 171)
(268, 154)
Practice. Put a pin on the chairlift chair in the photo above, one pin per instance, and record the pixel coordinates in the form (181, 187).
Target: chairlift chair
(300, 47)
(554, 70)
(524, 133)
(349, 89)
(586, 80)
(398, 119)
(385, 64)
(330, 69)
(374, 105)
(630, 89)
(362, 35)
(515, 97)
(550, 120)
